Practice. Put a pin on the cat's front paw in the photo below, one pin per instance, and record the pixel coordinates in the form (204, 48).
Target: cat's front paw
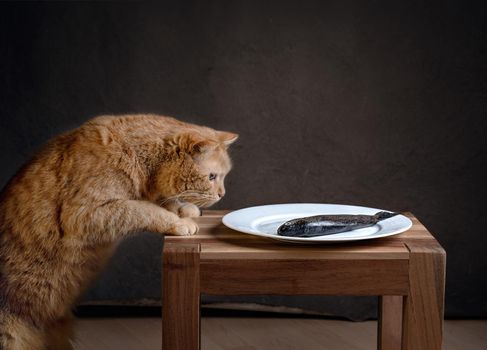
(189, 210)
(183, 227)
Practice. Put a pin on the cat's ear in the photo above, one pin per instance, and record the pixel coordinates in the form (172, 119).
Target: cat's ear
(203, 146)
(194, 144)
(227, 138)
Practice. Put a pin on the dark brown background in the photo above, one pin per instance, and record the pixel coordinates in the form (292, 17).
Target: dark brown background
(377, 103)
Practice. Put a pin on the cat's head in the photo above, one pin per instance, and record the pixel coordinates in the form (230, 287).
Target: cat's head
(197, 167)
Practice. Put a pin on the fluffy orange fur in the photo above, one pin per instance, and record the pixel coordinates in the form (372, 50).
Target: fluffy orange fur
(62, 213)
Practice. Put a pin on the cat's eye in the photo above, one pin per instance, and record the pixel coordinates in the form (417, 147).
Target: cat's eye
(212, 176)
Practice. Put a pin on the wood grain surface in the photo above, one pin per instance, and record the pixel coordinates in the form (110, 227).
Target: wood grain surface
(304, 277)
(261, 333)
(181, 297)
(424, 305)
(389, 323)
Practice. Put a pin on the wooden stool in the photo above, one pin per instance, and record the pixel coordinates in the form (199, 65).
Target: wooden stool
(406, 271)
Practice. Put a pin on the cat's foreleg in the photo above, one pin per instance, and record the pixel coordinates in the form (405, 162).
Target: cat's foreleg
(111, 219)
(60, 333)
(183, 209)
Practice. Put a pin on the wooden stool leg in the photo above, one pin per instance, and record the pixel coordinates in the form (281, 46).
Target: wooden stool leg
(390, 322)
(423, 307)
(181, 297)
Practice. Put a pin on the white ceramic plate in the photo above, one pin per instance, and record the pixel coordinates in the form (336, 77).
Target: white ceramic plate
(264, 221)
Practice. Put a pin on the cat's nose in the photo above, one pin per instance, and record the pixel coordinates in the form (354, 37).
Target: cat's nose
(221, 193)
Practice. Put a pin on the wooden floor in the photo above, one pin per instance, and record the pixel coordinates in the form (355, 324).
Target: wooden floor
(250, 333)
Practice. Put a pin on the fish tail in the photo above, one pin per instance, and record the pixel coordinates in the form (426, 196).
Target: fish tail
(382, 215)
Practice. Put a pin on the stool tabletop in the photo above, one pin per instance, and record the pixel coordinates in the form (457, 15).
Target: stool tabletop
(217, 241)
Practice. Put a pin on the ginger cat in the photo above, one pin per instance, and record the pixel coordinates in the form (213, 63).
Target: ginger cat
(62, 213)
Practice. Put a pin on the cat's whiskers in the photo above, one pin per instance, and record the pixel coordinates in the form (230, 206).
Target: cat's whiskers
(205, 201)
(195, 195)
(175, 196)
(200, 198)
